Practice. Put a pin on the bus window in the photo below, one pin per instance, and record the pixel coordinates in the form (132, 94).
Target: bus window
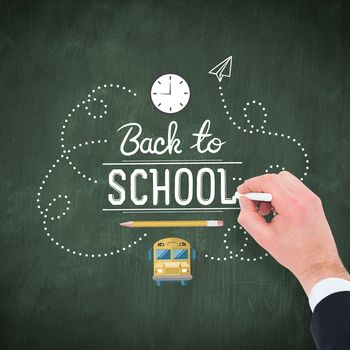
(180, 254)
(163, 254)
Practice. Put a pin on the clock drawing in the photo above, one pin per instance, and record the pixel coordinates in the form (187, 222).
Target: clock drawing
(170, 93)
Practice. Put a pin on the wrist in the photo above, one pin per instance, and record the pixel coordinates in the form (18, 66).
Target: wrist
(319, 271)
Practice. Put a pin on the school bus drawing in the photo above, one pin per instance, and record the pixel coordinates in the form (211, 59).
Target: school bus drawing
(172, 260)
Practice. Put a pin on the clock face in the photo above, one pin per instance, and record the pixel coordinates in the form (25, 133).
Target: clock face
(170, 93)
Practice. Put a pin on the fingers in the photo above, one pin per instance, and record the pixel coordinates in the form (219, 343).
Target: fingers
(253, 222)
(293, 182)
(271, 183)
(264, 208)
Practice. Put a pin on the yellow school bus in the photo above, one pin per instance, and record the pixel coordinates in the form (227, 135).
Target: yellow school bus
(172, 260)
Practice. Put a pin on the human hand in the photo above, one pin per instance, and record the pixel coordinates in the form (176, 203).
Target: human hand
(299, 236)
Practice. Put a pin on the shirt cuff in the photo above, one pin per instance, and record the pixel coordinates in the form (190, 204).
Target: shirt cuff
(327, 287)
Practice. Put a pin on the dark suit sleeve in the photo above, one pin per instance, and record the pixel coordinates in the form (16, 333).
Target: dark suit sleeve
(330, 325)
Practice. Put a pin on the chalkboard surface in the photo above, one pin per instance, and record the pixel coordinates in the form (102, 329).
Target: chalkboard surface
(71, 74)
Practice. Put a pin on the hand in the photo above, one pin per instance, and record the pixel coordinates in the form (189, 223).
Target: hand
(299, 236)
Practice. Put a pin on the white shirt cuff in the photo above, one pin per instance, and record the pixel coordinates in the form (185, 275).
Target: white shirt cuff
(327, 287)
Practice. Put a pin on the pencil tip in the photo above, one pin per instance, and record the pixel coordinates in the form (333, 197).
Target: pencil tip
(126, 224)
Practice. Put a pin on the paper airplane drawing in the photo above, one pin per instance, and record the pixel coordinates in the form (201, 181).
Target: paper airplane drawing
(223, 69)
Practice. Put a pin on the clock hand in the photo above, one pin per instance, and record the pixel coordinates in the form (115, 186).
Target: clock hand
(166, 93)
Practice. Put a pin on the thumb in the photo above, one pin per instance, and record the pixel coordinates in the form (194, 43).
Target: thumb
(253, 222)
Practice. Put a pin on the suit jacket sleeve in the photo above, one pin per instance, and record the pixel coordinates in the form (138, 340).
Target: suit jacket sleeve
(330, 325)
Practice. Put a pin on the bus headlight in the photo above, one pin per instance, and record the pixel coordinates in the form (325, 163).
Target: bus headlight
(160, 270)
(184, 270)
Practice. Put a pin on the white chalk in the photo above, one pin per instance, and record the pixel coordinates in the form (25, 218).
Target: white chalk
(255, 196)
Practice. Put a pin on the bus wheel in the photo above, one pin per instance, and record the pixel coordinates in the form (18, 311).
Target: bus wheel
(184, 283)
(158, 283)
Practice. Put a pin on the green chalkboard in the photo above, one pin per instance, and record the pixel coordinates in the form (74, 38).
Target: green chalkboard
(74, 72)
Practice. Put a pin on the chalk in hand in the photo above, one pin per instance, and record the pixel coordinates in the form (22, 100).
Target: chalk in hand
(255, 196)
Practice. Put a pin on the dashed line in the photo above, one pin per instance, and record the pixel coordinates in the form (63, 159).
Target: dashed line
(237, 255)
(251, 129)
(65, 155)
(74, 148)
